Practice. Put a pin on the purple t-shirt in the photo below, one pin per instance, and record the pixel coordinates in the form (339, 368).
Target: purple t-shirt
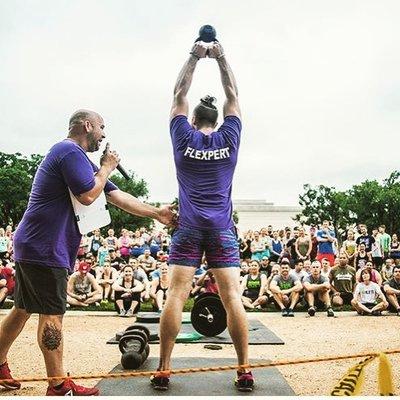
(204, 167)
(48, 233)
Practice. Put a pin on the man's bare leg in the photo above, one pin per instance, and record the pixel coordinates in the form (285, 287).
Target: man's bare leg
(10, 328)
(171, 317)
(50, 341)
(228, 284)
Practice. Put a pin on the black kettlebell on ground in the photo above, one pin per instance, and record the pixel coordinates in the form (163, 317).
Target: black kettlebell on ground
(131, 360)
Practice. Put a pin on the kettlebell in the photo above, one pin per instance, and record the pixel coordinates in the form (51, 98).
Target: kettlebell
(207, 34)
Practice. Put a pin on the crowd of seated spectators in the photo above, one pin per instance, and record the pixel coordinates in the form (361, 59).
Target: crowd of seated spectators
(288, 268)
(312, 268)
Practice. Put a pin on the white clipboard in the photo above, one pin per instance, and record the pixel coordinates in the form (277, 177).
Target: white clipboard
(91, 217)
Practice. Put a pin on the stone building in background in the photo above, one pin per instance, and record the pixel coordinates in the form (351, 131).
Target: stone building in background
(256, 214)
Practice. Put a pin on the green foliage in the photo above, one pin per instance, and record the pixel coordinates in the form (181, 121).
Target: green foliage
(235, 217)
(121, 219)
(369, 202)
(16, 177)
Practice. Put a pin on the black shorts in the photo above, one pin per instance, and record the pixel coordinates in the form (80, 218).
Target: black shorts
(346, 297)
(40, 289)
(370, 306)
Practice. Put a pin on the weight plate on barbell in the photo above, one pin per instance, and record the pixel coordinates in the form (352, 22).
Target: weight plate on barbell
(206, 294)
(209, 316)
(131, 342)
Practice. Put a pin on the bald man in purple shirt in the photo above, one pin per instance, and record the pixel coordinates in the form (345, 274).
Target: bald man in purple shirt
(47, 240)
(205, 160)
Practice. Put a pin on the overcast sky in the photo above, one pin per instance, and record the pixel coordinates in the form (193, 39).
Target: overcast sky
(318, 80)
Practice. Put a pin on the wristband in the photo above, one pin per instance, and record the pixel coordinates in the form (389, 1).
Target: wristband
(220, 56)
(194, 55)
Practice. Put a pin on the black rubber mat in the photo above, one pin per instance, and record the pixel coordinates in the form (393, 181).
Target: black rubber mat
(258, 334)
(269, 381)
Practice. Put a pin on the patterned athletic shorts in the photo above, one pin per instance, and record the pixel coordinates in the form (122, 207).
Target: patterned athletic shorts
(220, 246)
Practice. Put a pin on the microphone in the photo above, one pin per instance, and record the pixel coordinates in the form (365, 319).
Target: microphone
(123, 172)
(120, 168)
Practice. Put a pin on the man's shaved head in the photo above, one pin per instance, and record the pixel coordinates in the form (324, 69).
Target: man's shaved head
(80, 116)
(87, 129)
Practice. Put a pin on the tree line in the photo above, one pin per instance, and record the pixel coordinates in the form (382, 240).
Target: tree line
(370, 202)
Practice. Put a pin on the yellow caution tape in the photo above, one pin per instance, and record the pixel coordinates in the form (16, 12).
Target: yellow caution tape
(351, 383)
(385, 378)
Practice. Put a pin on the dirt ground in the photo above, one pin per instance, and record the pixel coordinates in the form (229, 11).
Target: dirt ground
(86, 351)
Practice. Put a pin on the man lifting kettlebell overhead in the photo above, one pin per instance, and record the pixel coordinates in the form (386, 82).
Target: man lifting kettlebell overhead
(205, 161)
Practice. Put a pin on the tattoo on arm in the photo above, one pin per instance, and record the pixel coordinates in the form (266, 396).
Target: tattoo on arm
(227, 78)
(51, 337)
(185, 77)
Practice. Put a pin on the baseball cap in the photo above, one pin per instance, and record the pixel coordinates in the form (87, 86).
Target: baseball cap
(84, 267)
(164, 258)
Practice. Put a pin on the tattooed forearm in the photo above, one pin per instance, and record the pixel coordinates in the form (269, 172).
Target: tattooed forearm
(185, 77)
(51, 337)
(227, 78)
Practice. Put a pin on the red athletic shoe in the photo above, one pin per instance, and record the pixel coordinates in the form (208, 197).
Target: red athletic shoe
(5, 373)
(69, 388)
(244, 381)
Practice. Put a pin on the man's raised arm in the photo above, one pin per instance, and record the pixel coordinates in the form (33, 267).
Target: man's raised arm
(231, 105)
(180, 105)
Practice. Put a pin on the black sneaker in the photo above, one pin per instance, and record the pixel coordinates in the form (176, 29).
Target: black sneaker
(244, 381)
(284, 312)
(290, 312)
(160, 380)
(311, 311)
(329, 312)
(376, 313)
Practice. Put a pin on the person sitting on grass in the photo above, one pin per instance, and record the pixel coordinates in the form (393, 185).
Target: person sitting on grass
(147, 261)
(392, 290)
(102, 253)
(82, 287)
(106, 276)
(366, 295)
(387, 270)
(286, 289)
(3, 289)
(325, 267)
(375, 275)
(267, 295)
(205, 284)
(159, 287)
(253, 285)
(127, 292)
(316, 288)
(343, 280)
(141, 276)
(298, 270)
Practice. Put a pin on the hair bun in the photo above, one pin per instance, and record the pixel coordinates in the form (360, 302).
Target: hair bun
(208, 101)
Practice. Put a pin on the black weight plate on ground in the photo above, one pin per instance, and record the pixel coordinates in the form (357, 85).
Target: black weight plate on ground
(201, 309)
(131, 342)
(154, 337)
(139, 328)
(139, 333)
(203, 295)
(148, 317)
